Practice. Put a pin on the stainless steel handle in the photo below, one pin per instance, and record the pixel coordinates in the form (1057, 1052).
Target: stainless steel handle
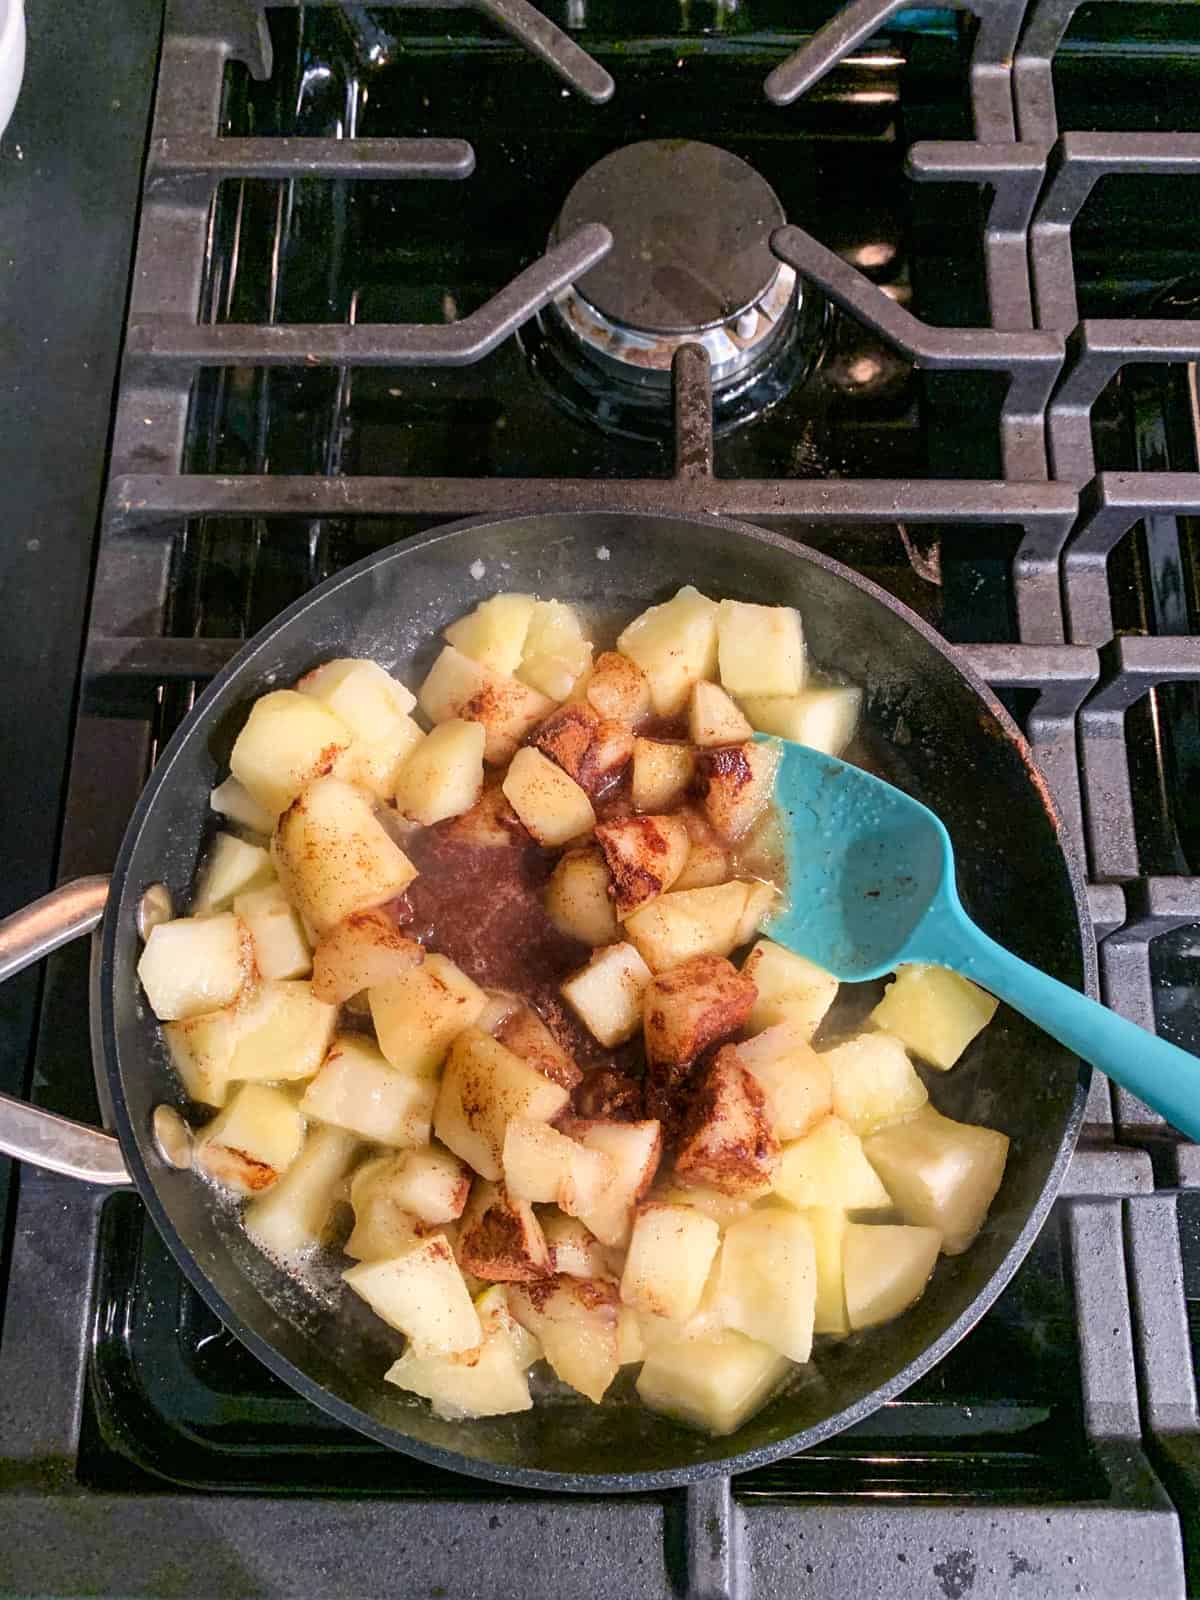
(27, 1132)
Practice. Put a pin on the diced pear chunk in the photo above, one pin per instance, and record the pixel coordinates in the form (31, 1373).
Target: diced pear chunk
(443, 777)
(574, 1249)
(556, 653)
(688, 922)
(760, 649)
(488, 1381)
(735, 783)
(873, 1082)
(689, 1007)
(796, 1082)
(506, 708)
(885, 1269)
(293, 1216)
(232, 868)
(644, 856)
(576, 1321)
(194, 965)
(707, 864)
(494, 633)
(941, 1174)
(523, 1032)
(824, 719)
(549, 802)
(935, 1012)
(635, 1149)
(201, 1049)
(617, 688)
(382, 1229)
(234, 801)
(484, 1086)
(418, 1015)
(670, 1252)
(431, 1184)
(288, 740)
(577, 899)
(365, 951)
(714, 1383)
(767, 1280)
(790, 989)
(675, 645)
(335, 857)
(662, 771)
(543, 1165)
(606, 995)
(827, 1167)
(760, 903)
(358, 1090)
(255, 1138)
(362, 693)
(722, 1208)
(713, 718)
(422, 1294)
(827, 1225)
(631, 1347)
(376, 765)
(283, 1034)
(726, 1141)
(276, 932)
(501, 1240)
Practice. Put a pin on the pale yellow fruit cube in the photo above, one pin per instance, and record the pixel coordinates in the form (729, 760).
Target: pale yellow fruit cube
(418, 1014)
(885, 1270)
(577, 900)
(935, 1012)
(365, 952)
(234, 801)
(635, 1150)
(507, 709)
(761, 901)
(767, 1280)
(675, 645)
(194, 965)
(289, 740)
(556, 653)
(713, 718)
(760, 649)
(500, 1239)
(357, 1089)
(941, 1174)
(574, 1249)
(431, 1184)
(670, 1252)
(662, 770)
(376, 764)
(688, 922)
(494, 633)
(252, 1141)
(443, 777)
(548, 801)
(294, 1215)
(201, 1049)
(543, 1165)
(423, 1295)
(362, 694)
(485, 1382)
(790, 989)
(334, 857)
(827, 1225)
(483, 1088)
(796, 1082)
(827, 1167)
(714, 1384)
(824, 719)
(283, 1034)
(575, 1319)
(280, 946)
(874, 1082)
(606, 994)
(616, 687)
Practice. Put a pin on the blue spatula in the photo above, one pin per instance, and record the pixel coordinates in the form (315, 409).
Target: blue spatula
(871, 887)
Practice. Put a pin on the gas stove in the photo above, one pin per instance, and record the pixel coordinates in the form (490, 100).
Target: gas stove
(917, 287)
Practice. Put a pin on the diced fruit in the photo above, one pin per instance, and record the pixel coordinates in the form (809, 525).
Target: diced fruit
(767, 1281)
(576, 1321)
(382, 1227)
(662, 771)
(484, 1086)
(824, 719)
(726, 1142)
(707, 864)
(507, 709)
(873, 1082)
(288, 740)
(631, 1347)
(573, 1249)
(523, 1032)
(589, 748)
(691, 1006)
(795, 1080)
(276, 932)
(635, 1149)
(544, 1165)
(675, 645)
(377, 765)
(283, 1034)
(430, 1184)
(713, 1383)
(885, 1269)
(194, 965)
(790, 989)
(941, 1174)
(713, 718)
(490, 824)
(577, 898)
(688, 922)
(671, 1250)
(419, 1014)
(935, 1012)
(722, 1208)
(422, 1294)
(443, 777)
(494, 633)
(233, 800)
(201, 1049)
(549, 802)
(617, 688)
(256, 1137)
(760, 649)
(335, 857)
(232, 868)
(827, 1167)
(294, 1214)
(735, 783)
(362, 693)
(556, 654)
(606, 995)
(760, 902)
(365, 951)
(495, 1316)
(488, 1381)
(501, 1240)
(644, 856)
(827, 1225)
(357, 1089)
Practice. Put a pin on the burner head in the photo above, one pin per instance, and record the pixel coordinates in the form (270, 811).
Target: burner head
(691, 260)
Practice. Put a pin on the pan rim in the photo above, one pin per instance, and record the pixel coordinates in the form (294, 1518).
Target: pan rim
(450, 1460)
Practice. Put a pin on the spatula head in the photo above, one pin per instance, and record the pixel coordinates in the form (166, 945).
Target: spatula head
(865, 862)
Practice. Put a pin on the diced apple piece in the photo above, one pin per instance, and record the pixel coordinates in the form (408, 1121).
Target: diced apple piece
(488, 1381)
(523, 1032)
(767, 1280)
(795, 1080)
(885, 1270)
(422, 1294)
(484, 1086)
(289, 740)
(544, 1165)
(617, 688)
(201, 1049)
(707, 864)
(234, 801)
(357, 1089)
(495, 1316)
(726, 1141)
(941, 1174)
(575, 1320)
(376, 765)
(293, 1216)
(671, 1250)
(276, 932)
(760, 649)
(194, 965)
(589, 748)
(631, 1347)
(827, 1225)
(462, 688)
(722, 1208)
(430, 1184)
(635, 1149)
(688, 922)
(232, 868)
(574, 1250)
(577, 899)
(549, 802)
(873, 1082)
(691, 1006)
(443, 777)
(644, 856)
(606, 995)
(382, 1228)
(365, 951)
(790, 989)
(419, 1014)
(935, 1012)
(490, 824)
(556, 653)
(494, 633)
(675, 645)
(713, 718)
(760, 902)
(256, 1138)
(735, 782)
(335, 857)
(362, 693)
(714, 1384)
(501, 1240)
(662, 771)
(283, 1034)
(824, 719)
(827, 1167)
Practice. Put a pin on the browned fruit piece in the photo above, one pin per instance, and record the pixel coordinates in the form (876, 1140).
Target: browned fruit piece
(610, 1095)
(693, 1005)
(618, 688)
(588, 747)
(524, 1033)
(490, 822)
(500, 1239)
(735, 782)
(365, 950)
(726, 1141)
(644, 856)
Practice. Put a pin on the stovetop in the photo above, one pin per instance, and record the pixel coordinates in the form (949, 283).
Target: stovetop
(991, 410)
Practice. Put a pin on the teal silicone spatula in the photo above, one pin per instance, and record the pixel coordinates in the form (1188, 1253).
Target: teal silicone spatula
(871, 887)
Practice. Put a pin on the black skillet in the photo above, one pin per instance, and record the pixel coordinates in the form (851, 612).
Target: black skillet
(932, 727)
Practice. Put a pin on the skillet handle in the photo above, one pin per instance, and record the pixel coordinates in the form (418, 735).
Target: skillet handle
(27, 1132)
